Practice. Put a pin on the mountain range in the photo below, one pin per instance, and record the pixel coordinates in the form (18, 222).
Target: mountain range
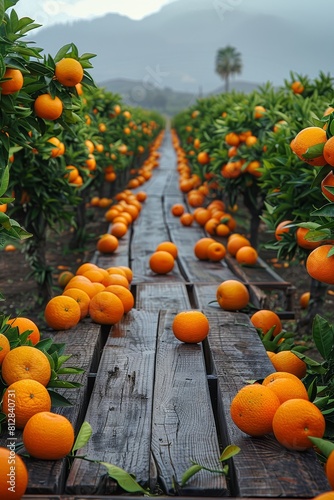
(176, 47)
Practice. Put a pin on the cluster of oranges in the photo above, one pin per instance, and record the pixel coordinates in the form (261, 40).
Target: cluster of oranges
(144, 173)
(279, 405)
(162, 260)
(102, 294)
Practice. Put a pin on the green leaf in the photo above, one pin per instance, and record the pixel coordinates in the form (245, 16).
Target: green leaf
(314, 151)
(323, 336)
(58, 399)
(4, 181)
(190, 473)
(312, 390)
(326, 447)
(325, 211)
(83, 436)
(229, 452)
(123, 478)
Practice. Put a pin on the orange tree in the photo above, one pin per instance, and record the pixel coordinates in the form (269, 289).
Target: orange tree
(34, 106)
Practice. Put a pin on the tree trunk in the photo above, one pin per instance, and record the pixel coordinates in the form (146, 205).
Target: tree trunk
(227, 83)
(255, 210)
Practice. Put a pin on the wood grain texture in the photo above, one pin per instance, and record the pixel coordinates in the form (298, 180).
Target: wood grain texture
(183, 423)
(120, 407)
(156, 296)
(263, 467)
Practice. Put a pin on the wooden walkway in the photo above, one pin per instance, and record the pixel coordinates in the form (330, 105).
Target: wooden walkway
(154, 403)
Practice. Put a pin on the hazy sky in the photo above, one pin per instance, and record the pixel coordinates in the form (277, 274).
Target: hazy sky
(47, 12)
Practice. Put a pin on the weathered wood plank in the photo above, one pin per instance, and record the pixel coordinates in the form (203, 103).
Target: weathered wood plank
(183, 424)
(168, 202)
(83, 342)
(120, 406)
(155, 296)
(263, 467)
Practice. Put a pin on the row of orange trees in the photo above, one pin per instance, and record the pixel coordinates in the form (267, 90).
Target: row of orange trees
(62, 140)
(240, 147)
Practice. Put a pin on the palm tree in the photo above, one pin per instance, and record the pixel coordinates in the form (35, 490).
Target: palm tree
(228, 63)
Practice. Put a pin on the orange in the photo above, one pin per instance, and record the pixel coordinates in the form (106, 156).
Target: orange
(118, 229)
(26, 362)
(69, 72)
(72, 174)
(47, 107)
(48, 436)
(82, 299)
(202, 215)
(203, 158)
(58, 150)
(281, 228)
(15, 82)
(85, 267)
(253, 168)
(259, 112)
(116, 270)
(275, 375)
(222, 230)
(329, 469)
(168, 246)
(64, 278)
(127, 271)
(62, 312)
(294, 421)
(216, 251)
(10, 248)
(235, 242)
(328, 495)
(297, 87)
(13, 475)
(232, 295)
(328, 151)
(190, 326)
(177, 209)
(232, 139)
(3, 207)
(201, 248)
(24, 324)
(124, 294)
(320, 266)
(303, 242)
(116, 279)
(108, 243)
(210, 226)
(304, 300)
(161, 262)
(253, 408)
(94, 275)
(264, 319)
(106, 308)
(246, 255)
(328, 181)
(288, 388)
(5, 347)
(82, 282)
(287, 361)
(30, 397)
(306, 138)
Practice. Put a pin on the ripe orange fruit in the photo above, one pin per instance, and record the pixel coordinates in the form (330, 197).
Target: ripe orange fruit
(201, 248)
(275, 375)
(190, 326)
(232, 295)
(24, 324)
(281, 228)
(161, 262)
(107, 243)
(288, 388)
(62, 312)
(246, 256)
(168, 246)
(105, 308)
(264, 319)
(253, 408)
(30, 397)
(5, 347)
(328, 151)
(94, 275)
(294, 421)
(177, 209)
(328, 181)
(82, 299)
(127, 271)
(319, 266)
(297, 87)
(304, 300)
(259, 112)
(328, 495)
(116, 279)
(124, 294)
(72, 173)
(48, 436)
(64, 278)
(303, 242)
(216, 251)
(329, 469)
(309, 136)
(47, 107)
(222, 230)
(13, 475)
(232, 139)
(86, 266)
(69, 72)
(82, 282)
(203, 158)
(118, 229)
(287, 361)
(15, 82)
(26, 362)
(235, 242)
(202, 215)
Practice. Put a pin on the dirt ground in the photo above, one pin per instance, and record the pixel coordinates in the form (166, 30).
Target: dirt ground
(20, 293)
